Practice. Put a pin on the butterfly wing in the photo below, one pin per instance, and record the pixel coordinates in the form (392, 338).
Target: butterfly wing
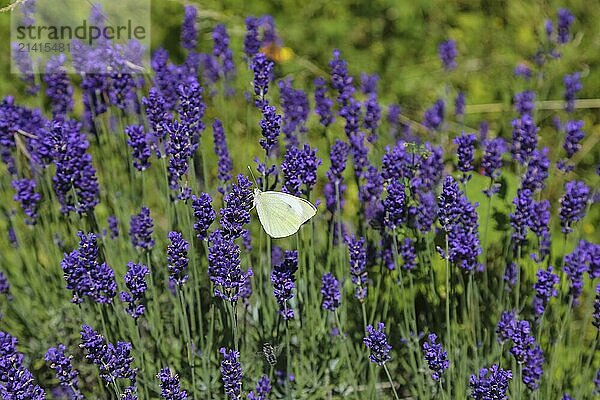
(282, 214)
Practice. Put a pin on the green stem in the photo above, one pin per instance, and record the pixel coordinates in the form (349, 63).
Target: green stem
(387, 372)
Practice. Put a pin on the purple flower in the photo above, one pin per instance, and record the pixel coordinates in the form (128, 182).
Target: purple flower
(263, 389)
(24, 64)
(596, 314)
(28, 197)
(519, 219)
(238, 203)
(58, 87)
(430, 169)
(396, 162)
(575, 265)
(139, 145)
(490, 384)
(189, 34)
(135, 280)
(340, 80)
(368, 83)
(177, 258)
(394, 204)
(158, 117)
(4, 285)
(572, 86)
(433, 117)
(372, 117)
(426, 210)
(370, 195)
(300, 168)
(85, 276)
(436, 357)
(510, 275)
(376, 342)
(492, 158)
(330, 289)
(221, 50)
(113, 226)
(544, 289)
(231, 373)
(74, 182)
(263, 74)
(296, 109)
(533, 371)
(524, 137)
(573, 204)
(523, 70)
(270, 126)
(358, 265)
(179, 151)
(539, 223)
(16, 380)
(140, 230)
(524, 102)
(204, 215)
(191, 110)
(573, 137)
(563, 25)
(323, 104)
(251, 40)
(359, 153)
(537, 170)
(283, 279)
(66, 375)
(334, 189)
(465, 152)
(448, 53)
(170, 387)
(407, 251)
(393, 118)
(459, 104)
(113, 361)
(351, 112)
(224, 266)
(224, 166)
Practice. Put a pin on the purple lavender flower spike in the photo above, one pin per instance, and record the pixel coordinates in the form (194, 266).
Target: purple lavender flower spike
(58, 87)
(459, 105)
(519, 219)
(340, 80)
(573, 137)
(238, 203)
(270, 126)
(17, 381)
(179, 151)
(283, 279)
(465, 151)
(64, 371)
(573, 204)
(358, 264)
(251, 40)
(140, 230)
(28, 198)
(224, 166)
(544, 289)
(524, 102)
(135, 280)
(158, 117)
(372, 117)
(563, 25)
(177, 258)
(492, 159)
(204, 215)
(170, 387)
(539, 223)
(596, 314)
(368, 83)
(330, 290)
(24, 64)
(436, 357)
(113, 361)
(263, 389)
(4, 285)
(113, 226)
(376, 342)
(224, 266)
(433, 117)
(323, 104)
(572, 85)
(359, 154)
(139, 145)
(537, 170)
(575, 265)
(338, 157)
(189, 33)
(490, 384)
(351, 112)
(524, 137)
(296, 109)
(394, 204)
(222, 51)
(533, 371)
(447, 52)
(523, 71)
(300, 168)
(263, 74)
(231, 373)
(191, 110)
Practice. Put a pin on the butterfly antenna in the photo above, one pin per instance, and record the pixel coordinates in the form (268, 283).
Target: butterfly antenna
(252, 174)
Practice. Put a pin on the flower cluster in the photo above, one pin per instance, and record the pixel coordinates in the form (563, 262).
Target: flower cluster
(358, 265)
(224, 266)
(85, 276)
(330, 289)
(376, 342)
(65, 373)
(135, 280)
(284, 282)
(300, 168)
(16, 381)
(204, 215)
(231, 373)
(170, 387)
(140, 229)
(114, 361)
(238, 203)
(490, 384)
(436, 357)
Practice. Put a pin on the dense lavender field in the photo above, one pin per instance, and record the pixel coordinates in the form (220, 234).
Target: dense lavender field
(450, 257)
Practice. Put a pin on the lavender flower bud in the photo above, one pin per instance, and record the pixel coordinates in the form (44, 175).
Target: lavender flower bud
(330, 289)
(376, 342)
(170, 387)
(140, 230)
(435, 356)
(231, 373)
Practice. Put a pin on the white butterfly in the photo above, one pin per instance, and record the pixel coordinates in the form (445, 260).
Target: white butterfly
(282, 214)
